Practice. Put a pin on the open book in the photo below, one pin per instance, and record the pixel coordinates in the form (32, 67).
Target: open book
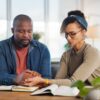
(54, 89)
(18, 88)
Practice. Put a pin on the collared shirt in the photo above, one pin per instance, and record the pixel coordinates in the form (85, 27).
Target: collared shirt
(38, 59)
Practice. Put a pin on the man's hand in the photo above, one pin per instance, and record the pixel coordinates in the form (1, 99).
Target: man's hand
(30, 74)
(20, 79)
(37, 81)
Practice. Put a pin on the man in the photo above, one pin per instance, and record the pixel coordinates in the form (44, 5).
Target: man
(20, 56)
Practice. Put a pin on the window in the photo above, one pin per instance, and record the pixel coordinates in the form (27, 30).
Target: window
(91, 9)
(47, 16)
(3, 20)
(33, 8)
(57, 11)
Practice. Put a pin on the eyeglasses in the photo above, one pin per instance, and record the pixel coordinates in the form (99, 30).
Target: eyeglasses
(71, 34)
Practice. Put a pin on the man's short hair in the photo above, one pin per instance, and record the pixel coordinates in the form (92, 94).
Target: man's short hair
(21, 17)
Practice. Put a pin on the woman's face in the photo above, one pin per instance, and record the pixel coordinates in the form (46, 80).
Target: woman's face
(74, 34)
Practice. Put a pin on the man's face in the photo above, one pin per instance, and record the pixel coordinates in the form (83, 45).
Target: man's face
(22, 32)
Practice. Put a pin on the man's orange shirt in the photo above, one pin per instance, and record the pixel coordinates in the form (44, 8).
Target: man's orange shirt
(21, 59)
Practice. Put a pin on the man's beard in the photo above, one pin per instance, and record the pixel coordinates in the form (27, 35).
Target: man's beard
(21, 43)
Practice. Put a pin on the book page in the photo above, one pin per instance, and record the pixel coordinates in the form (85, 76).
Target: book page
(24, 88)
(66, 91)
(45, 90)
(4, 87)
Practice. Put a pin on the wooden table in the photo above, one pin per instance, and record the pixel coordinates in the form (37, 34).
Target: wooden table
(9, 95)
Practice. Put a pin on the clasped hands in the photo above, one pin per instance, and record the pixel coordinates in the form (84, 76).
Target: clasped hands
(30, 78)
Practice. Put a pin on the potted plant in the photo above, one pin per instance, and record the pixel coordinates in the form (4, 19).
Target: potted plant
(36, 36)
(89, 92)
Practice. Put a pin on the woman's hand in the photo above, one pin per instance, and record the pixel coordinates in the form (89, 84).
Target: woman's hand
(35, 81)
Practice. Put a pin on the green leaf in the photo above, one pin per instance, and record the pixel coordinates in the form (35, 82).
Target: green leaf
(84, 91)
(96, 82)
(79, 84)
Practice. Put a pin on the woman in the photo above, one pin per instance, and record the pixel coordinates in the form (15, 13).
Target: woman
(81, 61)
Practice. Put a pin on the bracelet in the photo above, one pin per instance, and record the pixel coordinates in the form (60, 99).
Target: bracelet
(47, 81)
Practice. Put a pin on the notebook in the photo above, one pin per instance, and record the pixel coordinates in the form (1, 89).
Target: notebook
(18, 88)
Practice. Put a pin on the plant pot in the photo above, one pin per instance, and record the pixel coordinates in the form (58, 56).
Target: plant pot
(93, 95)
